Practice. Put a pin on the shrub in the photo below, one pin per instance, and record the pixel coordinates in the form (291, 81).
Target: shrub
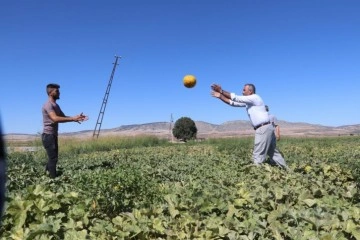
(184, 129)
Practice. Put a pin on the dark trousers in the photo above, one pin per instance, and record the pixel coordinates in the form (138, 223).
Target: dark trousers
(50, 143)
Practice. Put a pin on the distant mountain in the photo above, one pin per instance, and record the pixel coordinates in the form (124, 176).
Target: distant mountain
(209, 130)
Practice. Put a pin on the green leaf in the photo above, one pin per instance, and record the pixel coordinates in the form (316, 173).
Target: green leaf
(70, 224)
(117, 220)
(173, 212)
(72, 234)
(18, 234)
(273, 215)
(231, 211)
(18, 210)
(352, 228)
(278, 193)
(326, 237)
(39, 190)
(310, 202)
(158, 226)
(41, 229)
(223, 231)
(74, 194)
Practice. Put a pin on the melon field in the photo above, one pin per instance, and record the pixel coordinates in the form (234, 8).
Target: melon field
(148, 188)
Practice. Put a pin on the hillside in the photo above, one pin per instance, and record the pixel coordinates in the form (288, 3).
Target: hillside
(209, 130)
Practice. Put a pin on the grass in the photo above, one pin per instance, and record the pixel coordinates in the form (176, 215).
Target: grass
(149, 188)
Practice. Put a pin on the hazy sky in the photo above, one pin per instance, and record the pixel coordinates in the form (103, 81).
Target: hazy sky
(303, 57)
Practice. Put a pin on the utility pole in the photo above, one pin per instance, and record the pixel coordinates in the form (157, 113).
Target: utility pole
(170, 128)
(103, 106)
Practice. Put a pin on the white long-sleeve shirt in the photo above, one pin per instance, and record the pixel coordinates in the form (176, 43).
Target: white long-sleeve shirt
(255, 107)
(273, 119)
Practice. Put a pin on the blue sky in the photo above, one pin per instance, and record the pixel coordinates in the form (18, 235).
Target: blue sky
(303, 57)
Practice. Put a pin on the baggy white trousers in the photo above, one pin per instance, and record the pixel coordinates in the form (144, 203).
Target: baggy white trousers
(265, 145)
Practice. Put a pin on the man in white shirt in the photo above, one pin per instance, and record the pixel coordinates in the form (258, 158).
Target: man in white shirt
(265, 141)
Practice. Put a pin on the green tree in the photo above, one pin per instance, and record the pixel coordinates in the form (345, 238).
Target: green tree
(185, 129)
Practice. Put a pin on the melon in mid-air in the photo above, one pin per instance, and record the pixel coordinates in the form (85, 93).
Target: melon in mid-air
(189, 81)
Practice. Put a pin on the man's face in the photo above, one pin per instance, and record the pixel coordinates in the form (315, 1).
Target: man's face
(55, 93)
(246, 91)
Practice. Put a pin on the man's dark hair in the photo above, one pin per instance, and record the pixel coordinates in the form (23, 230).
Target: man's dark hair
(51, 86)
(251, 87)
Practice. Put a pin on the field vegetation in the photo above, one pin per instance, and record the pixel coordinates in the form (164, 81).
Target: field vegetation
(148, 188)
